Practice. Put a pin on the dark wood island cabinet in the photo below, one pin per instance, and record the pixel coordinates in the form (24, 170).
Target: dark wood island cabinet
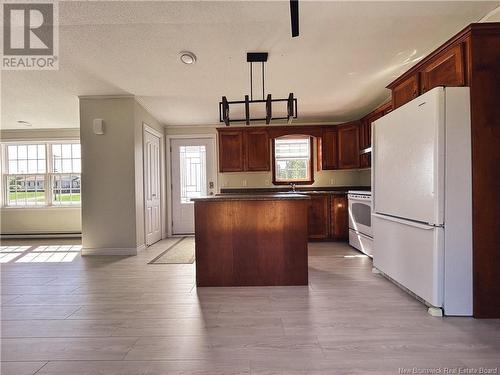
(251, 240)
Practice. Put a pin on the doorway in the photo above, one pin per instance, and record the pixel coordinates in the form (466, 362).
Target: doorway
(152, 186)
(193, 175)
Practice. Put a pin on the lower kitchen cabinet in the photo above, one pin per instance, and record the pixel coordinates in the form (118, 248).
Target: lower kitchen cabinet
(318, 217)
(339, 219)
(328, 218)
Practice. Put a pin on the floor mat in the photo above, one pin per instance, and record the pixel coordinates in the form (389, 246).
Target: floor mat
(181, 252)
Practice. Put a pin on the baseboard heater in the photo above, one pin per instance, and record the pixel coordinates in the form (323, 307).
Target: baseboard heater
(40, 235)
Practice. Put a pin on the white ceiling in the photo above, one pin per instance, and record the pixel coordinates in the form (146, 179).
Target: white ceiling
(346, 53)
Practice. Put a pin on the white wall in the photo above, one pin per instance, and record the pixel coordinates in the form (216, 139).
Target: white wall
(108, 176)
(112, 175)
(40, 220)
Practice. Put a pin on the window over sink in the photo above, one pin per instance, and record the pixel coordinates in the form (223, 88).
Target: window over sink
(292, 160)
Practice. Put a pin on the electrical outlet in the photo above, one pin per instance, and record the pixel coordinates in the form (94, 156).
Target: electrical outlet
(244, 183)
(331, 181)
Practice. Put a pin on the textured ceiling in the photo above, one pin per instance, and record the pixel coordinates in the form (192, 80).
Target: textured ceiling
(346, 53)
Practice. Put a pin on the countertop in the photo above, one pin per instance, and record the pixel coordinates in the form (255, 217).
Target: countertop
(252, 197)
(299, 190)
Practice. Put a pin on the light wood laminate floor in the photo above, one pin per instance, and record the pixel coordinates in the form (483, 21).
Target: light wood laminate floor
(120, 315)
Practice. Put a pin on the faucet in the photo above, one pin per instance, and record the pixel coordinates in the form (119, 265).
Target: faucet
(293, 186)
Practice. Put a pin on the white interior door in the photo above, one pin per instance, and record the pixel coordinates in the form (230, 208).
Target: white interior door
(152, 187)
(193, 175)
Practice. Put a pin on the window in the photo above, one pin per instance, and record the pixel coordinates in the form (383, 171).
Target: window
(66, 168)
(193, 172)
(26, 175)
(41, 174)
(292, 161)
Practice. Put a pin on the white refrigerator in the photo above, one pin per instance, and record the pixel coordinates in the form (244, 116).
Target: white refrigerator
(422, 200)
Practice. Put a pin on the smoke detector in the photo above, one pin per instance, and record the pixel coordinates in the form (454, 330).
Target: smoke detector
(188, 58)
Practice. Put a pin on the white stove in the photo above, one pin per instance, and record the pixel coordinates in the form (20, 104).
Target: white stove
(360, 221)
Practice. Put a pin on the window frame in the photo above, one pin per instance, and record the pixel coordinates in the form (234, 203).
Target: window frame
(52, 174)
(48, 175)
(310, 180)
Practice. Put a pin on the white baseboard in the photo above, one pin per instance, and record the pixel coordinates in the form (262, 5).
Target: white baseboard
(39, 235)
(142, 247)
(120, 251)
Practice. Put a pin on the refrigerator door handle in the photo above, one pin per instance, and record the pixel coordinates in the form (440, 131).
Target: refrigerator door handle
(404, 222)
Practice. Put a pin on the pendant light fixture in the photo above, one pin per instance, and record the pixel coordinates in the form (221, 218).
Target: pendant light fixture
(224, 104)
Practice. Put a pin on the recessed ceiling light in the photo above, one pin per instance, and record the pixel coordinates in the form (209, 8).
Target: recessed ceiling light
(188, 57)
(25, 123)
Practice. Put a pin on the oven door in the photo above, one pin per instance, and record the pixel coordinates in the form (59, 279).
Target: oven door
(360, 215)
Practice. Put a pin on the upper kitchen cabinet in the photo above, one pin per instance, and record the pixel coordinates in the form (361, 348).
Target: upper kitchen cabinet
(449, 65)
(329, 148)
(348, 145)
(365, 133)
(405, 91)
(244, 150)
(231, 151)
(257, 150)
(446, 69)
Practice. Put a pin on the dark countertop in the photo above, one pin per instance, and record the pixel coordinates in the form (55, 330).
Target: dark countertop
(252, 197)
(299, 190)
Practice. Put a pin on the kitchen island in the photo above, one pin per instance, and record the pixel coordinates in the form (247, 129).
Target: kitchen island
(251, 240)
